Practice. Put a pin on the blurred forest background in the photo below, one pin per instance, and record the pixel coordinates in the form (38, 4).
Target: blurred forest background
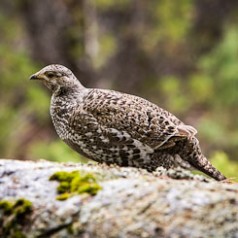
(182, 55)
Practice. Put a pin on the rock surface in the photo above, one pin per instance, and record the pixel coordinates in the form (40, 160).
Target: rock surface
(131, 203)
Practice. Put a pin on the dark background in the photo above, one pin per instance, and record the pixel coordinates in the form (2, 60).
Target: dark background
(182, 55)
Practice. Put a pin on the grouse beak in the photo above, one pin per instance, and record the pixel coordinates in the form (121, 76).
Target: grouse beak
(36, 77)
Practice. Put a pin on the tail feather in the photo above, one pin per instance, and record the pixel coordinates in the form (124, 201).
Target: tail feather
(206, 167)
(192, 153)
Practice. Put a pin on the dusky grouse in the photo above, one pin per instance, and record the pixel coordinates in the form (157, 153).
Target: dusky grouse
(113, 127)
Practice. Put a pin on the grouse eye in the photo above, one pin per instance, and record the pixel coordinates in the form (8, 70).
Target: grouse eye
(50, 74)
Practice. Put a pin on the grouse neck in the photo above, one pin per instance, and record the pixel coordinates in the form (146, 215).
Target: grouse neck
(65, 91)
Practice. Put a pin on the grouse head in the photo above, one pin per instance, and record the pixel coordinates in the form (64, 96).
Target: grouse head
(57, 78)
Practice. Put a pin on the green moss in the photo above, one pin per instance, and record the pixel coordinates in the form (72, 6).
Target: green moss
(90, 189)
(6, 207)
(14, 217)
(18, 234)
(63, 196)
(22, 207)
(75, 182)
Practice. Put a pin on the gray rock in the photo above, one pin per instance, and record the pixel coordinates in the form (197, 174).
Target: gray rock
(132, 202)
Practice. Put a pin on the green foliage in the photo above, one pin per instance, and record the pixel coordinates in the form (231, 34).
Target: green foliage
(211, 128)
(15, 68)
(172, 85)
(16, 104)
(39, 101)
(75, 182)
(201, 86)
(173, 18)
(54, 151)
(219, 69)
(12, 102)
(104, 4)
(171, 22)
(222, 162)
(107, 49)
(221, 66)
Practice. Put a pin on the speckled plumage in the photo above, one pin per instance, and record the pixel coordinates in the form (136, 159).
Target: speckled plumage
(113, 127)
